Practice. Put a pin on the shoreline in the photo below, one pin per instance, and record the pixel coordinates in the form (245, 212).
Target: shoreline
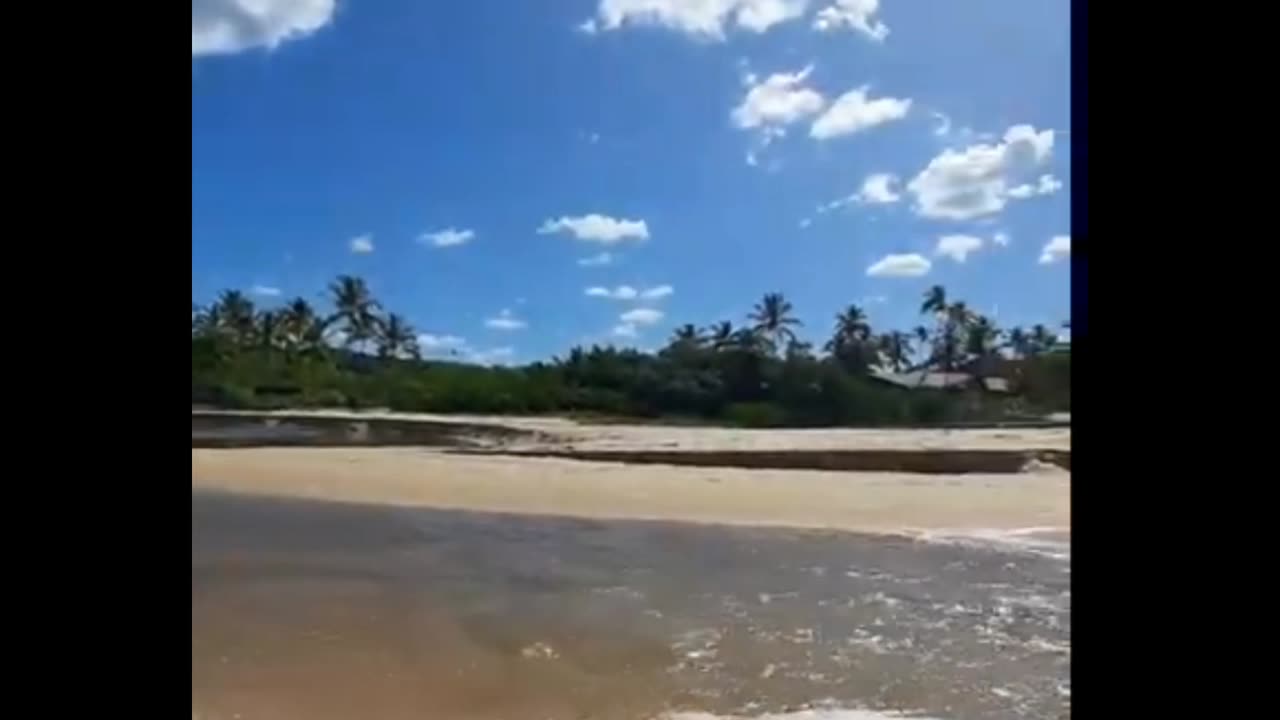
(914, 505)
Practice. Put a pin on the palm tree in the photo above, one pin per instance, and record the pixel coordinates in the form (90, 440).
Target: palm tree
(895, 348)
(852, 323)
(850, 343)
(686, 335)
(720, 335)
(798, 350)
(234, 315)
(773, 319)
(356, 309)
(749, 340)
(205, 321)
(959, 313)
(302, 329)
(935, 301)
(1041, 339)
(981, 336)
(396, 338)
(935, 304)
(1019, 343)
(981, 339)
(268, 329)
(953, 323)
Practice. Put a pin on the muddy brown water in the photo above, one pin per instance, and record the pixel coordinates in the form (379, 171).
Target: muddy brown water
(303, 609)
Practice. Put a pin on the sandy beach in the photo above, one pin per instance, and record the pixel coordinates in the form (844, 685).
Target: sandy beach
(874, 502)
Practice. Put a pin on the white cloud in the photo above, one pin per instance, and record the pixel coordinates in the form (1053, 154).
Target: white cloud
(702, 18)
(856, 14)
(265, 291)
(597, 228)
(966, 184)
(626, 292)
(877, 189)
(220, 27)
(837, 204)
(1058, 248)
(760, 15)
(430, 343)
(778, 100)
(854, 112)
(627, 330)
(505, 321)
(447, 238)
(943, 128)
(958, 247)
(910, 265)
(805, 222)
(1046, 185)
(603, 258)
(492, 356)
(770, 105)
(362, 245)
(875, 300)
(622, 292)
(641, 316)
(1001, 239)
(452, 346)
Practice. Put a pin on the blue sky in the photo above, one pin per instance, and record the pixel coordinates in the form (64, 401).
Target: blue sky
(838, 151)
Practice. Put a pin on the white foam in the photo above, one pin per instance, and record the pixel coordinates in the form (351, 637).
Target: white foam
(811, 714)
(1025, 540)
(1039, 644)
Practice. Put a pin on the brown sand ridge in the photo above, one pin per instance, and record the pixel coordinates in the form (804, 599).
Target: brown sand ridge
(914, 451)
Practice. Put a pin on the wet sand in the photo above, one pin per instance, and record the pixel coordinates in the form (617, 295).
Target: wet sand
(873, 502)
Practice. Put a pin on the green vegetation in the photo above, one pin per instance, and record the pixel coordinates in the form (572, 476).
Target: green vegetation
(760, 375)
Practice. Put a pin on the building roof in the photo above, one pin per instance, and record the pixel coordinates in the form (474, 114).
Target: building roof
(924, 379)
(996, 384)
(939, 380)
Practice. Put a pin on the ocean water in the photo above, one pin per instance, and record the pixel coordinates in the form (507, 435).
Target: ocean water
(321, 610)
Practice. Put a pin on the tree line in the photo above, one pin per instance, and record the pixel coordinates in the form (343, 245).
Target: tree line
(760, 373)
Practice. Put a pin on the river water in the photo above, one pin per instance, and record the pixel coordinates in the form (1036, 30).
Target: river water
(314, 610)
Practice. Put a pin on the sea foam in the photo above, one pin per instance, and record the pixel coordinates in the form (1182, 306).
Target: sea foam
(809, 714)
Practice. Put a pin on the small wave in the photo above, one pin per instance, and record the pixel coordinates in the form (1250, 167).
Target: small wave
(810, 714)
(1030, 540)
(621, 591)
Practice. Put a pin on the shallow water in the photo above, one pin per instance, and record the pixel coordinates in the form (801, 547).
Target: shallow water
(321, 610)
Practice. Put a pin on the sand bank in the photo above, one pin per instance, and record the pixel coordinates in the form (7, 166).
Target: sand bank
(558, 432)
(872, 502)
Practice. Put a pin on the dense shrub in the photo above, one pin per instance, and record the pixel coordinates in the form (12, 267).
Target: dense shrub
(760, 376)
(755, 415)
